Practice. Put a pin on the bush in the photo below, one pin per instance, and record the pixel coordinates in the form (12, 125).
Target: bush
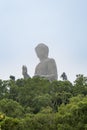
(12, 124)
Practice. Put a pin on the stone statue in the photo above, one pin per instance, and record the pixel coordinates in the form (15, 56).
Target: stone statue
(47, 66)
(64, 76)
(24, 72)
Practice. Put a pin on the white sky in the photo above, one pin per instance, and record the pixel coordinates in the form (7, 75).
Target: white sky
(60, 24)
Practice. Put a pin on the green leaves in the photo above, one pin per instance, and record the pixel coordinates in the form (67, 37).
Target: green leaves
(11, 108)
(37, 104)
(12, 124)
(73, 114)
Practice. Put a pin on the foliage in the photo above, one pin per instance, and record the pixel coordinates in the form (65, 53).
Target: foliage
(73, 115)
(12, 124)
(37, 104)
(80, 86)
(11, 108)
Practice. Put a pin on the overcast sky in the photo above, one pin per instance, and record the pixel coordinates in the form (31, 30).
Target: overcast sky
(60, 24)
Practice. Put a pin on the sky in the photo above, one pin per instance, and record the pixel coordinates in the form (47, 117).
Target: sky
(60, 24)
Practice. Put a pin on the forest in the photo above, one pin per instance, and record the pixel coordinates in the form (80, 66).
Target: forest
(37, 104)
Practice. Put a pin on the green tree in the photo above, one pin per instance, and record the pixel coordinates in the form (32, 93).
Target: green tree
(11, 108)
(80, 85)
(12, 124)
(41, 101)
(4, 89)
(73, 115)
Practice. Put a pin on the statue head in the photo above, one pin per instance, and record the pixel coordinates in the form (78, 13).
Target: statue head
(42, 51)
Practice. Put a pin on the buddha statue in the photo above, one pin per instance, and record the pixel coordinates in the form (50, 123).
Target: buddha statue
(47, 66)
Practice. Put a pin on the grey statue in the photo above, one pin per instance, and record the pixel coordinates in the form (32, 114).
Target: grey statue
(24, 72)
(64, 76)
(47, 66)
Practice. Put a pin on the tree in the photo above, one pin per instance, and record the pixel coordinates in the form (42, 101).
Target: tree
(80, 86)
(73, 115)
(12, 124)
(11, 108)
(4, 89)
(41, 101)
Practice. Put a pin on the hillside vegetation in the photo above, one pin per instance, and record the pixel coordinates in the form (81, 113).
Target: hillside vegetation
(37, 104)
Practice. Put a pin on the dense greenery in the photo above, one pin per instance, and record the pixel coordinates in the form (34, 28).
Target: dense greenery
(37, 104)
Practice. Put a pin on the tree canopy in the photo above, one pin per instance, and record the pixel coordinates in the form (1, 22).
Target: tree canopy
(37, 104)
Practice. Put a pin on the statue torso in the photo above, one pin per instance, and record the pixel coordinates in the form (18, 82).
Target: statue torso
(42, 68)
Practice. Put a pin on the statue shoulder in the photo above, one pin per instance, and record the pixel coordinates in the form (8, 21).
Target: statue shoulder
(51, 60)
